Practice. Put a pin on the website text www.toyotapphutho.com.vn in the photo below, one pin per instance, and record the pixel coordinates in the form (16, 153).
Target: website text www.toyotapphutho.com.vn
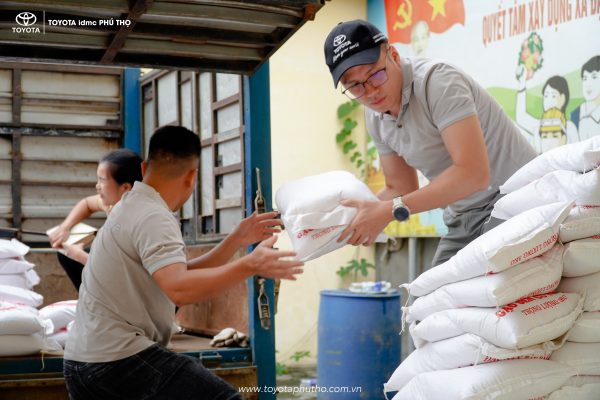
(300, 389)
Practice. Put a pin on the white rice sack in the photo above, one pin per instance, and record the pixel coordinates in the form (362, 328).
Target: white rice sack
(526, 322)
(581, 157)
(457, 352)
(60, 337)
(584, 189)
(15, 266)
(582, 257)
(584, 357)
(538, 275)
(21, 320)
(311, 211)
(12, 248)
(586, 328)
(503, 380)
(23, 280)
(582, 222)
(17, 295)
(61, 313)
(578, 388)
(517, 240)
(22, 345)
(589, 284)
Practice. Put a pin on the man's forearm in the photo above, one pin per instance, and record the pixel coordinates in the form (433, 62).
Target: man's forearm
(218, 255)
(453, 184)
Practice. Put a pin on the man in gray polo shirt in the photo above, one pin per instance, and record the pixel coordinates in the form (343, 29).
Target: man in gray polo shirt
(430, 116)
(137, 272)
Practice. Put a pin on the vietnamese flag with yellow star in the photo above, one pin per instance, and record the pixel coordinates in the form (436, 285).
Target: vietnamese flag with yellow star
(403, 15)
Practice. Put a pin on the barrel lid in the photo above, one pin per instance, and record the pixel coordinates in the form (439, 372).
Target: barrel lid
(347, 293)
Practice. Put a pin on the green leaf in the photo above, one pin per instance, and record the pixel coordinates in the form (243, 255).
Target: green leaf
(297, 356)
(281, 369)
(345, 109)
(355, 156)
(348, 146)
(359, 163)
(350, 124)
(342, 135)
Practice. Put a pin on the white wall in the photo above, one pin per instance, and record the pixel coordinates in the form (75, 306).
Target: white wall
(303, 127)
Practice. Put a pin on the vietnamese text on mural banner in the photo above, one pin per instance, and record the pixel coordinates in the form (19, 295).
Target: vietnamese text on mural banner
(540, 59)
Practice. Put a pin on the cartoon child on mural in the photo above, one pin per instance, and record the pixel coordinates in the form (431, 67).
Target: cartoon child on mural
(553, 129)
(586, 117)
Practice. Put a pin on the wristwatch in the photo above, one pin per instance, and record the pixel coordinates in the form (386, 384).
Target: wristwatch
(399, 209)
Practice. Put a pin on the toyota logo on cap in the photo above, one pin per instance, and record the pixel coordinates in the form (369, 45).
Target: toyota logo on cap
(339, 39)
(26, 18)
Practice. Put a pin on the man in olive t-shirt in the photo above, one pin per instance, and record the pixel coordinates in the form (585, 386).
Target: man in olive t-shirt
(136, 274)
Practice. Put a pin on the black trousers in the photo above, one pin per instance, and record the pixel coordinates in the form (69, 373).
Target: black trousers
(73, 269)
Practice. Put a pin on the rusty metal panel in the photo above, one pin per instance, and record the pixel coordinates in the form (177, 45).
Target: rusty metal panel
(205, 100)
(167, 99)
(52, 148)
(5, 147)
(5, 95)
(52, 201)
(229, 186)
(61, 98)
(229, 117)
(206, 181)
(5, 200)
(229, 152)
(227, 85)
(5, 168)
(59, 172)
(229, 218)
(186, 104)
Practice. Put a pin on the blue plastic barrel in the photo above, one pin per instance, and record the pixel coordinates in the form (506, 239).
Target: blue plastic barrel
(358, 343)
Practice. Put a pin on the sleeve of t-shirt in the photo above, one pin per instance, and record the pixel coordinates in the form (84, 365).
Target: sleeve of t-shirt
(449, 96)
(159, 242)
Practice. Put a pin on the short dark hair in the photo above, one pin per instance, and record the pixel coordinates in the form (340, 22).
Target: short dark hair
(124, 166)
(559, 83)
(170, 145)
(593, 64)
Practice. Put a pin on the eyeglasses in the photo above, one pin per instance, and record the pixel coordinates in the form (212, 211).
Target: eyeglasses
(375, 80)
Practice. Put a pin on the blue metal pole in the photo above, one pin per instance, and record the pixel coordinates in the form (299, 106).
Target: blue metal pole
(257, 144)
(132, 123)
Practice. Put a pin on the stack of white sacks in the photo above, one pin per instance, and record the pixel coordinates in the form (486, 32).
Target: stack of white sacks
(514, 315)
(23, 328)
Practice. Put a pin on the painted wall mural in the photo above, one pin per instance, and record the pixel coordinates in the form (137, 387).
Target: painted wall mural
(540, 59)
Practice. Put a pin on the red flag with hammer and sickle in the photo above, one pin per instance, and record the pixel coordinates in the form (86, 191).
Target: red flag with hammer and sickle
(402, 15)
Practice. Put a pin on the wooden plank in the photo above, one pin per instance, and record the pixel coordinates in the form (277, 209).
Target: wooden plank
(223, 12)
(17, 211)
(194, 50)
(108, 132)
(62, 68)
(228, 203)
(118, 41)
(203, 34)
(228, 169)
(91, 56)
(52, 39)
(226, 102)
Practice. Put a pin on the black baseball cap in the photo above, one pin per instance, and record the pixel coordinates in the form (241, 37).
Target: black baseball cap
(350, 44)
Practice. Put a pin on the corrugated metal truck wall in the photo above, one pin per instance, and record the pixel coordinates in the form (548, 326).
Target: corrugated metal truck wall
(56, 122)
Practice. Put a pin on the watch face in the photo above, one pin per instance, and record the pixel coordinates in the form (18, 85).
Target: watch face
(401, 214)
